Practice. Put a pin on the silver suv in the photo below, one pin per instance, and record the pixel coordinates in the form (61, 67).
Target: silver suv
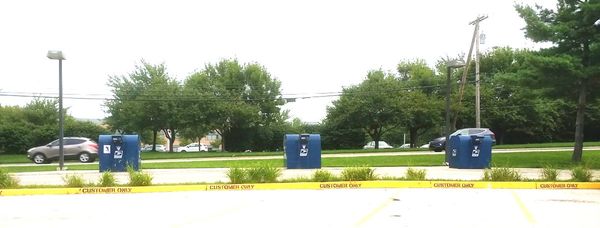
(83, 149)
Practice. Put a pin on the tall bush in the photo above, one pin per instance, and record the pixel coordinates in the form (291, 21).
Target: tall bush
(501, 174)
(358, 174)
(581, 173)
(137, 178)
(7, 181)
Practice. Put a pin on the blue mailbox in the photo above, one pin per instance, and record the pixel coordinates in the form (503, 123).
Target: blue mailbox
(119, 151)
(302, 151)
(470, 152)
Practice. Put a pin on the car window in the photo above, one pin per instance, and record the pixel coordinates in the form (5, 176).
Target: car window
(73, 141)
(54, 143)
(475, 131)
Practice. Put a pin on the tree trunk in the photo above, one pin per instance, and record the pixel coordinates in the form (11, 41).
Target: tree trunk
(414, 137)
(375, 134)
(172, 139)
(581, 104)
(170, 136)
(377, 137)
(222, 140)
(223, 144)
(154, 140)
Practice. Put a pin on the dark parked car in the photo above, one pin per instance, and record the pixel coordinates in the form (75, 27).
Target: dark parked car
(439, 144)
(83, 149)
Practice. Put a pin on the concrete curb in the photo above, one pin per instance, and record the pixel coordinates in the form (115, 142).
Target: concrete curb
(304, 186)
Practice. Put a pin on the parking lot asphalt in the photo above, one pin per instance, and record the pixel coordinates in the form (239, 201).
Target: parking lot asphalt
(214, 175)
(462, 208)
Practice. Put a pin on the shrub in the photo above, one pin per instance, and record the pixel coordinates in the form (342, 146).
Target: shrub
(237, 175)
(138, 178)
(323, 176)
(501, 174)
(549, 174)
(581, 174)
(263, 174)
(415, 174)
(7, 181)
(107, 180)
(358, 174)
(74, 181)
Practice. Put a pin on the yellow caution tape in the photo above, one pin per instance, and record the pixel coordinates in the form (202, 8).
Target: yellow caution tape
(304, 186)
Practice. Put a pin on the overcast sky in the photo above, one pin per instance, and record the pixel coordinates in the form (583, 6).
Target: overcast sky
(312, 47)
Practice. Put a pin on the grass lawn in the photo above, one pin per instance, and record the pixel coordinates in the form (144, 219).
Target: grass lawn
(22, 158)
(163, 155)
(543, 145)
(559, 160)
(14, 158)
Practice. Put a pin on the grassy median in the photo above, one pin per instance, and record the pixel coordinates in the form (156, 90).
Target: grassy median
(558, 160)
(22, 158)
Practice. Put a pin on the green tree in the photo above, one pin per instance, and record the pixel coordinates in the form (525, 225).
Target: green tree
(574, 60)
(86, 129)
(373, 106)
(420, 101)
(15, 131)
(335, 134)
(516, 111)
(36, 124)
(43, 114)
(239, 102)
(422, 113)
(296, 126)
(417, 75)
(146, 99)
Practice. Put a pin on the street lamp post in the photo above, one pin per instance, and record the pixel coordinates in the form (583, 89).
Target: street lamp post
(58, 55)
(450, 65)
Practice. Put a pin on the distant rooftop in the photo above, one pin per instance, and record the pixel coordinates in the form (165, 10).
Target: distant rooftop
(96, 121)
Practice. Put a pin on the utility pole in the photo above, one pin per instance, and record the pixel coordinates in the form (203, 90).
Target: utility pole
(477, 85)
(477, 81)
(474, 41)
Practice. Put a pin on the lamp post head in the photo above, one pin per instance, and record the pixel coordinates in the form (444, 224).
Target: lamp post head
(55, 54)
(455, 63)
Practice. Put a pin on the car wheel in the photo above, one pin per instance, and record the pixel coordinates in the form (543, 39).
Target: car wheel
(39, 158)
(85, 157)
(183, 151)
(437, 150)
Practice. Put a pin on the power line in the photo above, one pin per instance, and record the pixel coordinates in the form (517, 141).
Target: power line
(162, 93)
(151, 95)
